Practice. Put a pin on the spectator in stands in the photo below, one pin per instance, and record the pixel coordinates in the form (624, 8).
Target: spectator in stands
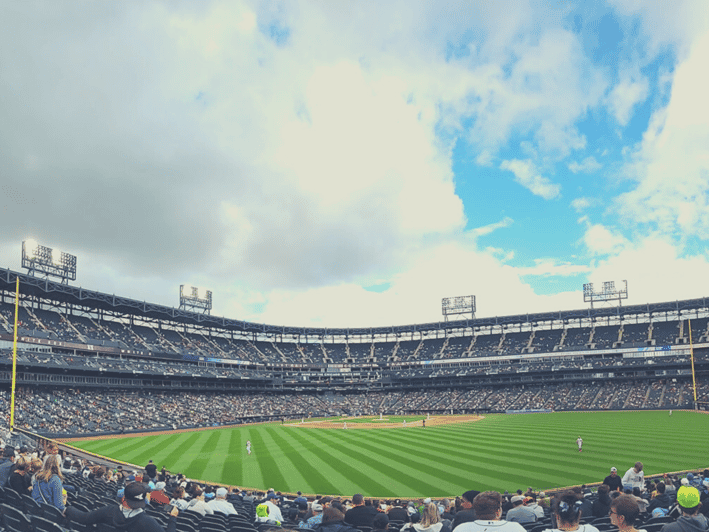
(519, 513)
(586, 505)
(531, 503)
(448, 512)
(488, 510)
(359, 514)
(197, 503)
(7, 464)
(47, 487)
(430, 520)
(19, 480)
(301, 502)
(333, 520)
(466, 514)
(690, 520)
(178, 498)
(567, 511)
(130, 515)
(542, 500)
(634, 477)
(313, 518)
(158, 497)
(398, 513)
(220, 504)
(268, 511)
(624, 512)
(613, 481)
(151, 471)
(661, 500)
(602, 505)
(380, 523)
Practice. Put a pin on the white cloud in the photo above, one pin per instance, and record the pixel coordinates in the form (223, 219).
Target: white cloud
(600, 240)
(487, 229)
(581, 204)
(547, 267)
(631, 90)
(671, 164)
(588, 165)
(527, 175)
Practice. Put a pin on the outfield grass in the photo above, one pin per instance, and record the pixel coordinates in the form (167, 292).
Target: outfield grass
(501, 452)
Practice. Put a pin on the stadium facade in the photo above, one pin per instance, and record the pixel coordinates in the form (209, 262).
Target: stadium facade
(602, 358)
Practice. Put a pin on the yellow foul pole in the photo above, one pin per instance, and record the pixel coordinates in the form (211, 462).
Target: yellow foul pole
(691, 356)
(14, 356)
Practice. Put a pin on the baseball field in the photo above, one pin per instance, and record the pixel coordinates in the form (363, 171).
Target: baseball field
(383, 458)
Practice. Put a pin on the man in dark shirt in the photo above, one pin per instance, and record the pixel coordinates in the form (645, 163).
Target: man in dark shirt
(129, 515)
(360, 515)
(151, 470)
(661, 500)
(613, 481)
(467, 514)
(398, 513)
(7, 465)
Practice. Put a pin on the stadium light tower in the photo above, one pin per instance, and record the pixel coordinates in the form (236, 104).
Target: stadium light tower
(607, 293)
(43, 261)
(194, 298)
(458, 305)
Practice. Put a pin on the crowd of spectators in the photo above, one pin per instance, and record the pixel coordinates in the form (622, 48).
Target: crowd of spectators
(64, 410)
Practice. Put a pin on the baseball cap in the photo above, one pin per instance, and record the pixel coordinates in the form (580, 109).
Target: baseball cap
(271, 496)
(614, 470)
(221, 492)
(316, 507)
(9, 452)
(516, 499)
(688, 497)
(160, 486)
(134, 494)
(684, 482)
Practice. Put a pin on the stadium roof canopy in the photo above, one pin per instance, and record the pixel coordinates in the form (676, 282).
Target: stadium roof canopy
(72, 295)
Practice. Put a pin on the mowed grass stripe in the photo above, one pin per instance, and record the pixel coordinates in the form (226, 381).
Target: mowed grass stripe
(361, 476)
(270, 470)
(306, 473)
(150, 451)
(172, 457)
(402, 453)
(232, 471)
(468, 455)
(328, 468)
(388, 464)
(205, 455)
(451, 467)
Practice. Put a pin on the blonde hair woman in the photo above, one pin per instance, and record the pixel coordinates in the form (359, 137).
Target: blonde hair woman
(431, 520)
(48, 487)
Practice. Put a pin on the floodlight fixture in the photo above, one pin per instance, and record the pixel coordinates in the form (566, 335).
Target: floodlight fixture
(194, 298)
(43, 261)
(606, 294)
(458, 305)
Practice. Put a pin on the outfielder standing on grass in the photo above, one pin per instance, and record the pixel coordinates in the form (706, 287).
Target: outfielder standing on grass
(579, 442)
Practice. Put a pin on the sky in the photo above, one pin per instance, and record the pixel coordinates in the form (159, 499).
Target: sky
(351, 163)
